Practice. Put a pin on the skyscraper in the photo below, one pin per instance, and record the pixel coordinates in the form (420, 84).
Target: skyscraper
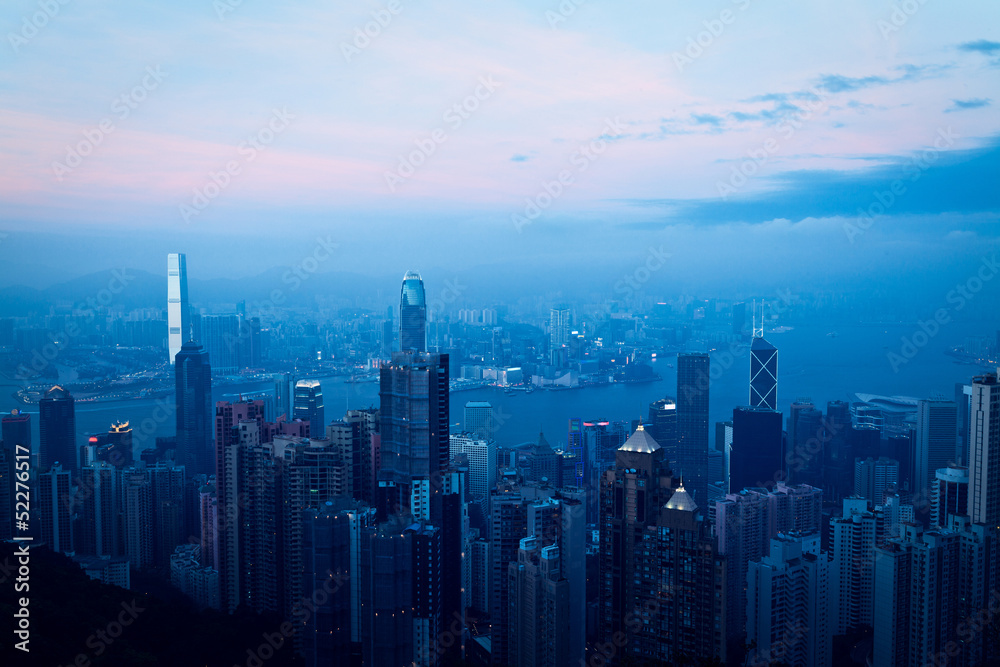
(662, 425)
(984, 451)
(308, 405)
(763, 373)
(661, 584)
(221, 336)
(284, 391)
(559, 326)
(193, 387)
(413, 395)
(692, 423)
(757, 456)
(178, 314)
(482, 462)
(916, 601)
(951, 494)
(855, 534)
(479, 419)
(55, 508)
(17, 430)
(540, 624)
(412, 314)
(937, 433)
(57, 430)
(788, 605)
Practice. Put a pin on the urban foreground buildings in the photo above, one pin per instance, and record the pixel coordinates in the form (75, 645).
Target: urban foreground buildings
(415, 540)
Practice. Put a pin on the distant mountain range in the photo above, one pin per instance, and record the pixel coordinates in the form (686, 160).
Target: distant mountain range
(133, 288)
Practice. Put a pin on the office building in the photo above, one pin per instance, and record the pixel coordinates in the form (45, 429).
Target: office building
(950, 496)
(482, 462)
(479, 419)
(662, 426)
(16, 431)
(653, 539)
(692, 423)
(220, 335)
(178, 309)
(874, 477)
(937, 433)
(57, 430)
(193, 391)
(284, 396)
(763, 373)
(414, 417)
(308, 405)
(412, 314)
(757, 458)
(560, 323)
(984, 450)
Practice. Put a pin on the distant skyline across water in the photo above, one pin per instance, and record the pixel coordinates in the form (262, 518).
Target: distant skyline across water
(812, 364)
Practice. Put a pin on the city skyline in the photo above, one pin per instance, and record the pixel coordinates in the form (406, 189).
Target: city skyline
(465, 352)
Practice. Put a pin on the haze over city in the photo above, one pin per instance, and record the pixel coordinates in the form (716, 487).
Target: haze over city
(500, 334)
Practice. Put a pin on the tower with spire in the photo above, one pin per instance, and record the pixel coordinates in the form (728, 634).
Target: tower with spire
(658, 561)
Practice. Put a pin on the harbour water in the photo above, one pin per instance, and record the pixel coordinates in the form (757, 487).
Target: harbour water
(811, 363)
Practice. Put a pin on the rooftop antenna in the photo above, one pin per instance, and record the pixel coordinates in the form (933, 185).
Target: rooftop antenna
(758, 332)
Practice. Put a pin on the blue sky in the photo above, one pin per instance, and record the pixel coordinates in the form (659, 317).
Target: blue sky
(467, 115)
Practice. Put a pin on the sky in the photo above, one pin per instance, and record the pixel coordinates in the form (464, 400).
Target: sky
(464, 133)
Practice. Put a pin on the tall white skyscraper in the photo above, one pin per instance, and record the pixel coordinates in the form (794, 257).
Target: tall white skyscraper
(178, 319)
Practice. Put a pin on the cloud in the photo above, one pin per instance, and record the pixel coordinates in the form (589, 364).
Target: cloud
(962, 105)
(706, 119)
(980, 46)
(957, 181)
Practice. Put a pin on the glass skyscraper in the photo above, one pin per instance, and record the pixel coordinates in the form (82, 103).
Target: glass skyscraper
(692, 423)
(308, 406)
(412, 314)
(193, 385)
(763, 374)
(57, 430)
(178, 320)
